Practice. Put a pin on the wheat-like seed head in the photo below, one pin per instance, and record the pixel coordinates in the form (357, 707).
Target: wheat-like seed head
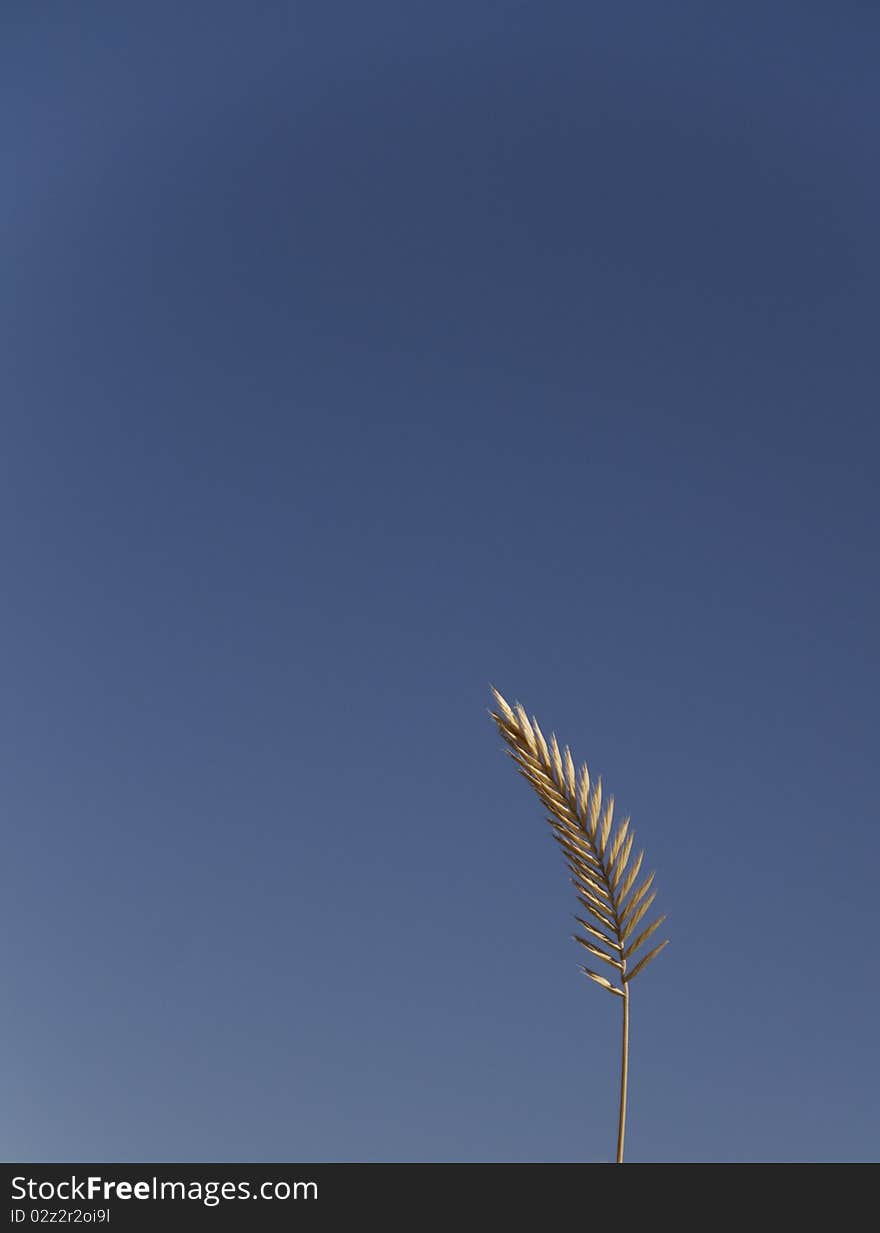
(597, 854)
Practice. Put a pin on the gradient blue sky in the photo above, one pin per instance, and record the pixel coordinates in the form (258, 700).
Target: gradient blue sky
(358, 355)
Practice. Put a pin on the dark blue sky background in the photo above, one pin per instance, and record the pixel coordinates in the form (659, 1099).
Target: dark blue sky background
(355, 356)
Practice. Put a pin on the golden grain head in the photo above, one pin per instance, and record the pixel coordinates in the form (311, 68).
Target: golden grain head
(597, 852)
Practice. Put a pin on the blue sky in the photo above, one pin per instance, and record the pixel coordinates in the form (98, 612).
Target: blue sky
(356, 356)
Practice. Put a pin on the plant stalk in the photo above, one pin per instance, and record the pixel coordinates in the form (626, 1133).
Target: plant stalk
(624, 1073)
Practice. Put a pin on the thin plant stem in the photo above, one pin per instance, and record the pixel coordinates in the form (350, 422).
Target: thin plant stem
(624, 1074)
